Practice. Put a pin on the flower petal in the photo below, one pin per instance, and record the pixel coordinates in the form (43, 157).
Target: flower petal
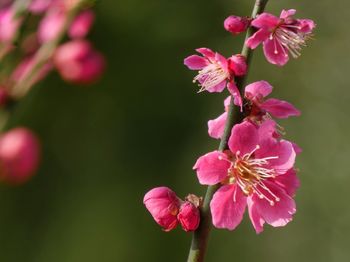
(285, 14)
(206, 52)
(306, 25)
(281, 212)
(258, 89)
(244, 138)
(257, 221)
(195, 62)
(289, 182)
(257, 38)
(233, 89)
(212, 168)
(266, 20)
(275, 53)
(227, 207)
(283, 150)
(279, 108)
(238, 65)
(216, 126)
(217, 88)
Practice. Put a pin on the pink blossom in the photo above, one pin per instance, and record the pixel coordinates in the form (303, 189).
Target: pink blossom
(257, 107)
(51, 25)
(236, 24)
(8, 25)
(19, 155)
(189, 216)
(164, 205)
(281, 36)
(254, 172)
(78, 62)
(216, 72)
(81, 24)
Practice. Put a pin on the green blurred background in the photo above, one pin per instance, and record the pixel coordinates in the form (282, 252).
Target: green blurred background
(144, 125)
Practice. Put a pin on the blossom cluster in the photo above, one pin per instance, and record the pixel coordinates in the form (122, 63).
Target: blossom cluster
(37, 37)
(256, 170)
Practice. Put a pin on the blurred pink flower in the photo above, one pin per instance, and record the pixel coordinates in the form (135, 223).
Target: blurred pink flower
(236, 24)
(164, 205)
(51, 25)
(81, 24)
(189, 216)
(251, 173)
(216, 72)
(19, 155)
(8, 25)
(78, 62)
(281, 35)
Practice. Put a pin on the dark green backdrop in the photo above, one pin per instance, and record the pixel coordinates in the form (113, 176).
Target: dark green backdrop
(144, 125)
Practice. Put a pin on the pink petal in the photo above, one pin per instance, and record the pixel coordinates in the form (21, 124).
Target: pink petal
(275, 53)
(281, 212)
(279, 108)
(267, 129)
(227, 207)
(297, 148)
(218, 88)
(289, 182)
(266, 20)
(238, 65)
(195, 62)
(206, 52)
(81, 25)
(212, 168)
(285, 14)
(216, 126)
(227, 102)
(233, 89)
(256, 39)
(306, 25)
(257, 221)
(258, 89)
(283, 150)
(244, 138)
(221, 60)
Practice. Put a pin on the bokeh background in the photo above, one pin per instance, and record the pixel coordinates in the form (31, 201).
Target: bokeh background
(144, 125)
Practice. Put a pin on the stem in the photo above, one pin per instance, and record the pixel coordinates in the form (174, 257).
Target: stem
(200, 236)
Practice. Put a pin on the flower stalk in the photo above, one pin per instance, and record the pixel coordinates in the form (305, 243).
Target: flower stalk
(201, 235)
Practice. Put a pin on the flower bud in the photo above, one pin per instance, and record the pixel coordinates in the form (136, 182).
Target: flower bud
(19, 155)
(163, 204)
(189, 216)
(81, 24)
(236, 24)
(238, 65)
(78, 62)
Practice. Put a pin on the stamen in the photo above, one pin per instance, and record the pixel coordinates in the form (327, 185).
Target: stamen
(291, 39)
(211, 76)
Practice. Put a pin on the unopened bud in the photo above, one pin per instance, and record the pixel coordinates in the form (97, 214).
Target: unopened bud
(163, 204)
(19, 155)
(236, 24)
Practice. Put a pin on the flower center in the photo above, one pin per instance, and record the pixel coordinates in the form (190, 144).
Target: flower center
(210, 76)
(288, 37)
(249, 174)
